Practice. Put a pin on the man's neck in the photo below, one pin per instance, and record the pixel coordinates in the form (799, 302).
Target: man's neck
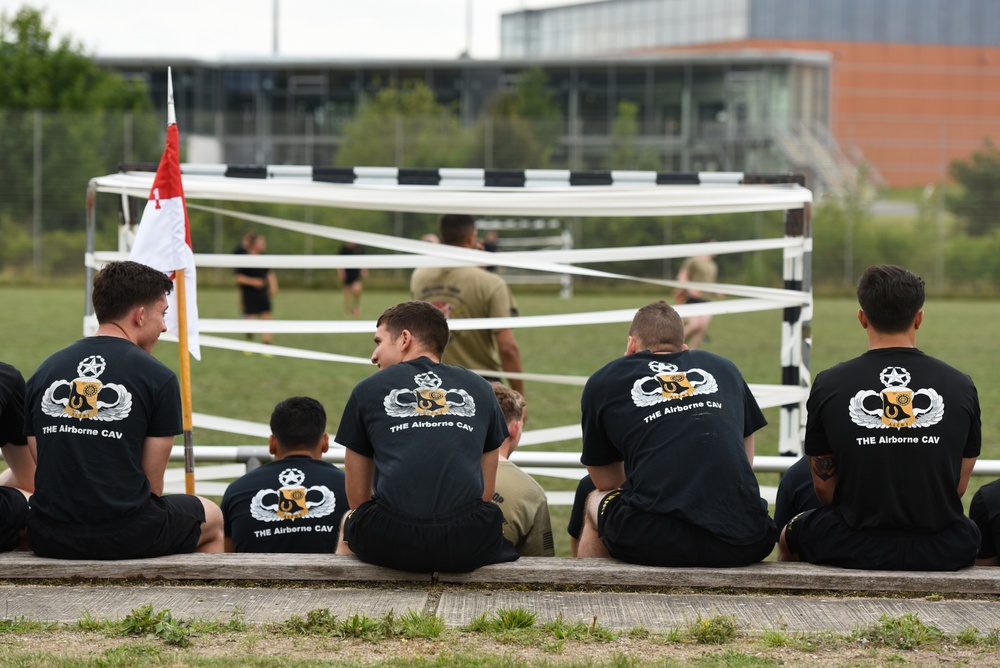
(877, 340)
(115, 330)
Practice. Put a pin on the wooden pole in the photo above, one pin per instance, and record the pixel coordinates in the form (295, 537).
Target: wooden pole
(185, 380)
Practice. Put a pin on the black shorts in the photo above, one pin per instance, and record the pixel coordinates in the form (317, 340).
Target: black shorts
(456, 543)
(164, 525)
(256, 301)
(823, 537)
(13, 513)
(662, 540)
(984, 510)
(696, 300)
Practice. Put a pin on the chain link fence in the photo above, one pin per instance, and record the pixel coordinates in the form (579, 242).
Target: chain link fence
(46, 161)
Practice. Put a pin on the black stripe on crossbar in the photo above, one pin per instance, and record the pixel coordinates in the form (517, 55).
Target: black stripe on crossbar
(246, 172)
(419, 177)
(590, 179)
(677, 179)
(504, 178)
(334, 174)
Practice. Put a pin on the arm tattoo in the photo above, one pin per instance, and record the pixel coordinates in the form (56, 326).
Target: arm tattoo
(823, 467)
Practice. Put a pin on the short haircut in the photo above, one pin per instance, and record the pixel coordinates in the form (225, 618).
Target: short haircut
(511, 402)
(298, 422)
(455, 228)
(121, 286)
(424, 321)
(891, 297)
(657, 327)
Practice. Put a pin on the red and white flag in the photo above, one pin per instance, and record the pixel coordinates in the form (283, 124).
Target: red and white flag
(164, 237)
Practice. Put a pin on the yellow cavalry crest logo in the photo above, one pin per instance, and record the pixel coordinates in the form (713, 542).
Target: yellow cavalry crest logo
(86, 397)
(428, 399)
(668, 383)
(292, 501)
(896, 406)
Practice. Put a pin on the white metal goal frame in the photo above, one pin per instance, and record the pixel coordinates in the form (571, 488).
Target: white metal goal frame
(501, 193)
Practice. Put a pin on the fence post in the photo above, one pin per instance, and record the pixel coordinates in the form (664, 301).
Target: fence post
(36, 210)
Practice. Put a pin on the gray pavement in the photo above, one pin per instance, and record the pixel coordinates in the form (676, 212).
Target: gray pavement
(458, 605)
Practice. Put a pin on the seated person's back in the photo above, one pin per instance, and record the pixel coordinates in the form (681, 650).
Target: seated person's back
(527, 523)
(984, 510)
(892, 437)
(295, 503)
(103, 413)
(422, 440)
(668, 437)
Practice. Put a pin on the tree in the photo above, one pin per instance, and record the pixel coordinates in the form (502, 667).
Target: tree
(626, 153)
(519, 128)
(60, 113)
(35, 75)
(403, 127)
(979, 200)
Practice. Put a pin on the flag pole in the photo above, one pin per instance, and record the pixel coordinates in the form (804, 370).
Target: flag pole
(182, 338)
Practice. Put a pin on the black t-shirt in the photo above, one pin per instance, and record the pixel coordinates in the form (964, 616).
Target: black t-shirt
(678, 421)
(11, 406)
(90, 406)
(796, 493)
(253, 272)
(351, 274)
(291, 505)
(427, 426)
(898, 424)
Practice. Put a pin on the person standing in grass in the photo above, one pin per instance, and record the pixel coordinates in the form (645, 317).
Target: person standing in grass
(892, 437)
(257, 286)
(470, 292)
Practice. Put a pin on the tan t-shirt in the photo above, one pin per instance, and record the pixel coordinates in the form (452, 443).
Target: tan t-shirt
(466, 292)
(527, 523)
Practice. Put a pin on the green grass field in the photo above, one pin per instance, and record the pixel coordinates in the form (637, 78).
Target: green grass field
(231, 384)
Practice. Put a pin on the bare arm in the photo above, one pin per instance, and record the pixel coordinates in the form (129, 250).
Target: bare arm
(360, 473)
(250, 281)
(510, 356)
(21, 465)
(963, 480)
(824, 473)
(748, 447)
(155, 455)
(272, 283)
(490, 460)
(607, 477)
(228, 546)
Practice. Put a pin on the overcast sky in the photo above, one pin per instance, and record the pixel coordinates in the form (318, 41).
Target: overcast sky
(212, 29)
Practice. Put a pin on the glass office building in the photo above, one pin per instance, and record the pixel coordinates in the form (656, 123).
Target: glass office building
(705, 111)
(912, 81)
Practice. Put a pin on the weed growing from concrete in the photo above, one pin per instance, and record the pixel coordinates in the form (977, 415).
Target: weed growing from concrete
(903, 632)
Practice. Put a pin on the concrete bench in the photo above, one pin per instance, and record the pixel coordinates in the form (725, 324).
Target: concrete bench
(536, 572)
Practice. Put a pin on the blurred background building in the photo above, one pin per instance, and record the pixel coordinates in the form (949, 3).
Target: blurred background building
(914, 83)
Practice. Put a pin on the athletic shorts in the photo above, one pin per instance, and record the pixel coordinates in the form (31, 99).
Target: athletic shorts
(696, 300)
(822, 537)
(256, 301)
(456, 543)
(164, 525)
(579, 512)
(662, 540)
(13, 513)
(984, 510)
